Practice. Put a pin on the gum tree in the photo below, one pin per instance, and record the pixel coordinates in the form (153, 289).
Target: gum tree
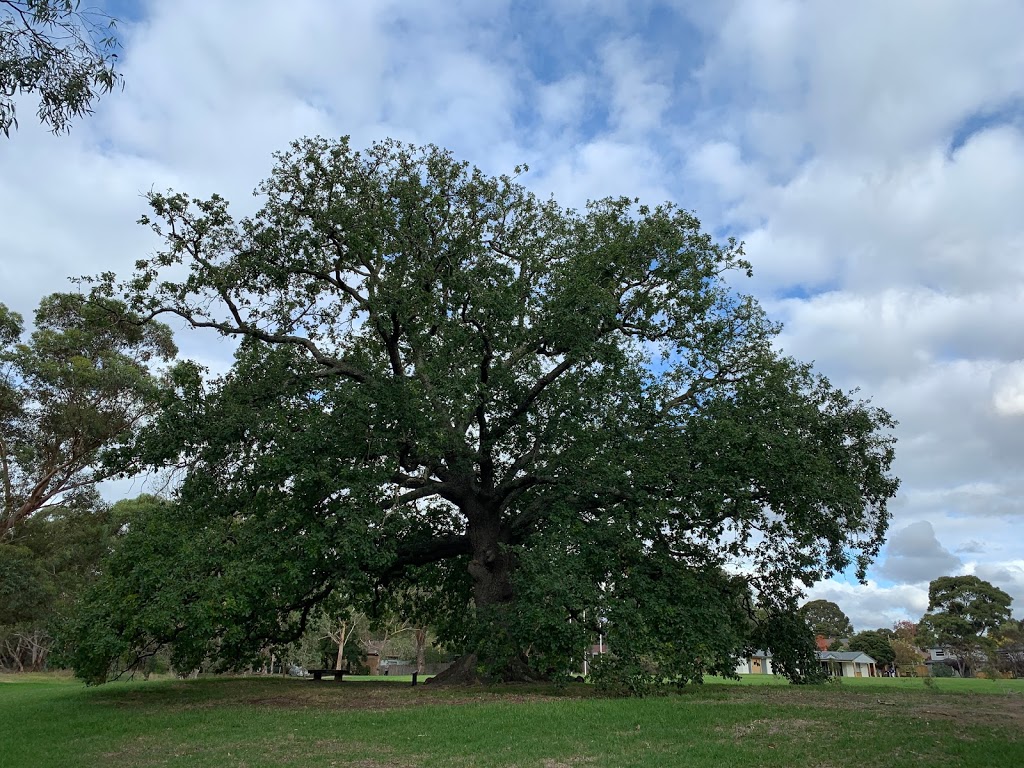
(963, 614)
(63, 54)
(78, 384)
(553, 422)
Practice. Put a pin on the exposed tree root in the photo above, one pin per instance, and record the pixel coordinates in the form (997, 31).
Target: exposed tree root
(465, 672)
(462, 672)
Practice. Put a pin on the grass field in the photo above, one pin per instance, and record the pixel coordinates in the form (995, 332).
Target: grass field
(53, 721)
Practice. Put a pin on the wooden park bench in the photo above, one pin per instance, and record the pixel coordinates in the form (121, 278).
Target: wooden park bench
(338, 674)
(318, 674)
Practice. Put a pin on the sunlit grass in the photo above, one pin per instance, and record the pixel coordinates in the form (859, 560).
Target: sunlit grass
(963, 685)
(291, 722)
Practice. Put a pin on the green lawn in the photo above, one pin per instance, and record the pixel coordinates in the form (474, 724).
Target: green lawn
(50, 721)
(948, 684)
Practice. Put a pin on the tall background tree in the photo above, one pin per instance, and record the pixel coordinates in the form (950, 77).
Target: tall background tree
(963, 613)
(875, 644)
(550, 418)
(826, 618)
(44, 573)
(80, 383)
(59, 52)
(1009, 639)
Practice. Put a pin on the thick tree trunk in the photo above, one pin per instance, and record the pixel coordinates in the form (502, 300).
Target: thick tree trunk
(491, 566)
(491, 569)
(462, 672)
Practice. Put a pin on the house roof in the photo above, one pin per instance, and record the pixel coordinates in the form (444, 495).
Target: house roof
(856, 656)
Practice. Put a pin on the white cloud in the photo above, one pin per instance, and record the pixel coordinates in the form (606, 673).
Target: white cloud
(1008, 390)
(602, 168)
(874, 605)
(640, 94)
(872, 79)
(914, 555)
(718, 164)
(561, 104)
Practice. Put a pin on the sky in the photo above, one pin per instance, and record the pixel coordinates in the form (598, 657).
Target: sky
(869, 154)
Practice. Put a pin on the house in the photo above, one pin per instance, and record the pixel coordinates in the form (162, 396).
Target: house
(758, 663)
(961, 666)
(1010, 660)
(836, 663)
(596, 649)
(944, 657)
(847, 663)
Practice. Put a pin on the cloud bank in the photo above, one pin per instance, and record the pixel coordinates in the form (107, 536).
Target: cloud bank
(871, 156)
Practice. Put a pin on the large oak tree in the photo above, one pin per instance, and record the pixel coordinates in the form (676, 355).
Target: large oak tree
(551, 422)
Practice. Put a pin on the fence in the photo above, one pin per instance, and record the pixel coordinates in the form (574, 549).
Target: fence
(408, 669)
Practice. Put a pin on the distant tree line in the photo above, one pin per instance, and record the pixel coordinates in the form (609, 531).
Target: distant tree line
(967, 617)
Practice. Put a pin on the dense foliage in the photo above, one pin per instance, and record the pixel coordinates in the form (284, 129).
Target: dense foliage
(827, 619)
(79, 384)
(963, 613)
(43, 572)
(876, 645)
(1009, 638)
(538, 423)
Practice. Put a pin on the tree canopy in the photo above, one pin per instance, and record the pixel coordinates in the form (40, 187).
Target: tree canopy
(905, 630)
(78, 384)
(64, 55)
(43, 572)
(553, 422)
(1009, 638)
(963, 612)
(827, 618)
(874, 644)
